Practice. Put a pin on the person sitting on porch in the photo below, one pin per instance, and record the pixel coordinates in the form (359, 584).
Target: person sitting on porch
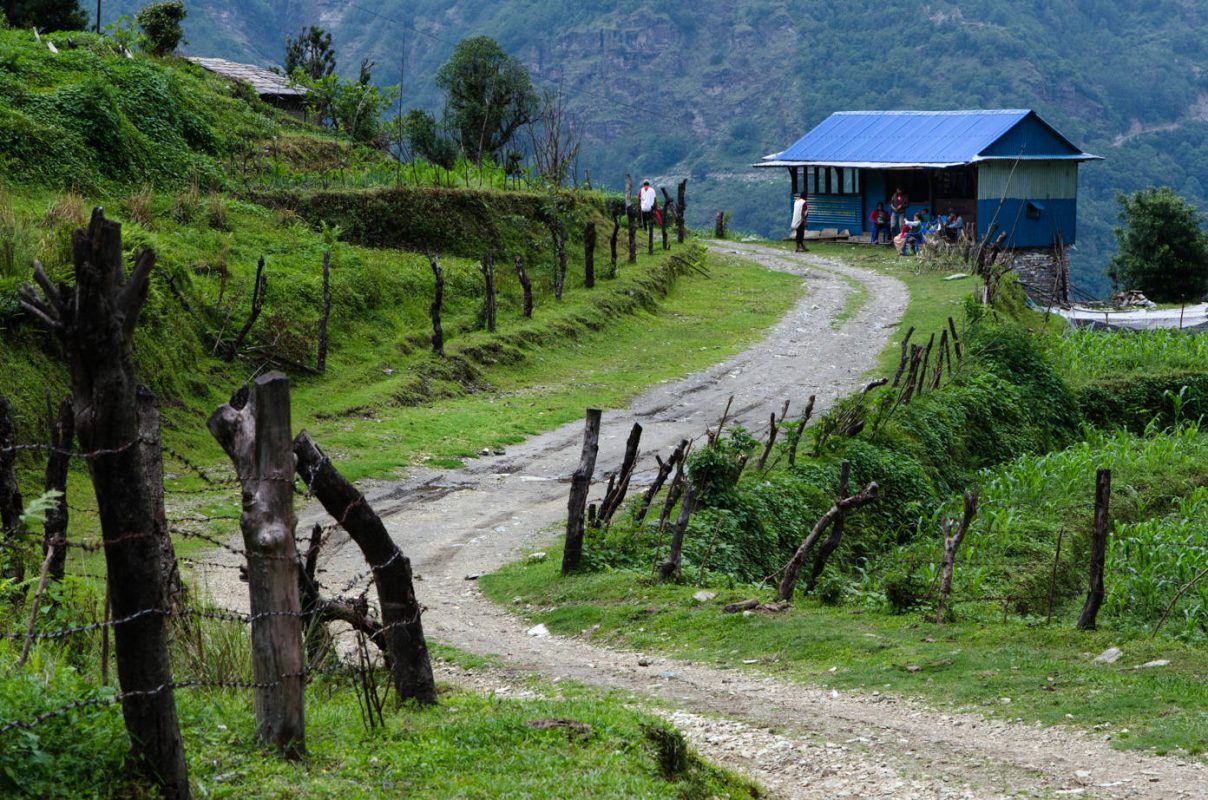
(954, 226)
(913, 234)
(880, 222)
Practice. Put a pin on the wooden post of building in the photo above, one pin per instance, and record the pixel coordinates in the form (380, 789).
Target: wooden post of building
(410, 665)
(589, 254)
(1094, 595)
(580, 484)
(254, 431)
(95, 320)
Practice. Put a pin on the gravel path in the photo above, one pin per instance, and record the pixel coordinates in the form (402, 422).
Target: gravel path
(798, 741)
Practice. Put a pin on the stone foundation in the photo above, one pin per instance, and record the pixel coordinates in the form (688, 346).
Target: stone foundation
(1043, 273)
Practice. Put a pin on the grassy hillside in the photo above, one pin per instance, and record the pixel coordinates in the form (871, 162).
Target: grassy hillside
(706, 90)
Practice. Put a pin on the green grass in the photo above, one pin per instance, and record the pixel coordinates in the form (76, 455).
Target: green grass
(1047, 672)
(471, 745)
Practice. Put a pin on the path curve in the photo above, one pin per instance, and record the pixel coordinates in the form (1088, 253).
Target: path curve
(473, 520)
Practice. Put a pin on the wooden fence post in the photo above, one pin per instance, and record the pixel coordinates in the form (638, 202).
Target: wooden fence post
(1094, 595)
(95, 320)
(632, 217)
(719, 225)
(589, 254)
(668, 211)
(805, 418)
(438, 295)
(841, 506)
(11, 503)
(526, 286)
(254, 431)
(612, 501)
(410, 665)
(679, 210)
(671, 567)
(615, 210)
(580, 484)
(487, 268)
(836, 532)
(665, 468)
(62, 433)
(650, 236)
(951, 543)
(172, 589)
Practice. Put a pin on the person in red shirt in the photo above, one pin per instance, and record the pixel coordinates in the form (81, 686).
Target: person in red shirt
(879, 219)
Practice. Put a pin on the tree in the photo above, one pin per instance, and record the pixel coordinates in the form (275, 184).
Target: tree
(490, 96)
(45, 15)
(161, 25)
(1162, 248)
(426, 140)
(311, 52)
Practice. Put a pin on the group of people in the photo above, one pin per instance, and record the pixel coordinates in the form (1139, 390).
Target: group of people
(912, 232)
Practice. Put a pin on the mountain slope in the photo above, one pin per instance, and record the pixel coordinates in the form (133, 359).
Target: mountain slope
(705, 90)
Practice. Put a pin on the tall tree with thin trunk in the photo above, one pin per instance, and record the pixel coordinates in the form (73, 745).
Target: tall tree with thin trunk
(95, 321)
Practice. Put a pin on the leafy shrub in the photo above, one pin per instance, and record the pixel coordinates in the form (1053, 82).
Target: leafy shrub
(160, 23)
(831, 587)
(714, 471)
(904, 589)
(139, 206)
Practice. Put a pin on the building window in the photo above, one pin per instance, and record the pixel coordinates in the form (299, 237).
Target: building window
(832, 180)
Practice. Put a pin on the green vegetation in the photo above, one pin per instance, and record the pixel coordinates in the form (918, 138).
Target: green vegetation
(1161, 247)
(161, 26)
(564, 740)
(969, 665)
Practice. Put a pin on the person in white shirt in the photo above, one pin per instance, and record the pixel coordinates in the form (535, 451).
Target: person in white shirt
(646, 201)
(801, 210)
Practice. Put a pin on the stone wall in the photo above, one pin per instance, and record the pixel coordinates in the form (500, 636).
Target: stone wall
(1043, 273)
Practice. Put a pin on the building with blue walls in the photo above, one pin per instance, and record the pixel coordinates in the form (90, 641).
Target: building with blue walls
(1002, 168)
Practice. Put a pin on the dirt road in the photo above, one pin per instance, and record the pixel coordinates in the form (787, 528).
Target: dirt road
(824, 745)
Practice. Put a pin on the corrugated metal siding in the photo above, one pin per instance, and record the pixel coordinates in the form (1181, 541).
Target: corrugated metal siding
(1033, 180)
(835, 211)
(1058, 215)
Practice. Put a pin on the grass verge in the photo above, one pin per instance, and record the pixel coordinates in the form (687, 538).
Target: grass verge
(1047, 672)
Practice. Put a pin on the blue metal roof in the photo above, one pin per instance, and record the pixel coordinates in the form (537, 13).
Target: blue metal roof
(921, 139)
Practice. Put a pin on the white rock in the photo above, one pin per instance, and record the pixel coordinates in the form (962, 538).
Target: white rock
(539, 631)
(1109, 656)
(536, 557)
(704, 597)
(1161, 662)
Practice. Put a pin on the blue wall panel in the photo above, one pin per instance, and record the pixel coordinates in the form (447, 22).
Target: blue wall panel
(1057, 215)
(835, 211)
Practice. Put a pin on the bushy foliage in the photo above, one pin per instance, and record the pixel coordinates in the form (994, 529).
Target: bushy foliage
(311, 52)
(45, 15)
(160, 23)
(490, 96)
(1162, 247)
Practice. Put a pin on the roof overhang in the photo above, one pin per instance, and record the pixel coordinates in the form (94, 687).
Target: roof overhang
(775, 162)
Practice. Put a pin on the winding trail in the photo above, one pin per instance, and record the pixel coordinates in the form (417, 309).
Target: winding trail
(798, 741)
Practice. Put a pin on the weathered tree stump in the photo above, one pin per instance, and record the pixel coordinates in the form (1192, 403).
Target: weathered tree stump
(254, 431)
(589, 254)
(773, 429)
(410, 665)
(904, 360)
(615, 210)
(1094, 596)
(95, 321)
(665, 468)
(668, 212)
(719, 225)
(259, 290)
(526, 286)
(580, 484)
(438, 296)
(805, 418)
(632, 219)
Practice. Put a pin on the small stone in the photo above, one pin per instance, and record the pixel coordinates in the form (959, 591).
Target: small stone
(501, 529)
(956, 276)
(535, 558)
(748, 613)
(643, 662)
(517, 600)
(473, 576)
(1109, 656)
(834, 695)
(750, 661)
(1161, 662)
(913, 668)
(498, 451)
(669, 675)
(1082, 776)
(540, 631)
(486, 451)
(1006, 701)
(704, 597)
